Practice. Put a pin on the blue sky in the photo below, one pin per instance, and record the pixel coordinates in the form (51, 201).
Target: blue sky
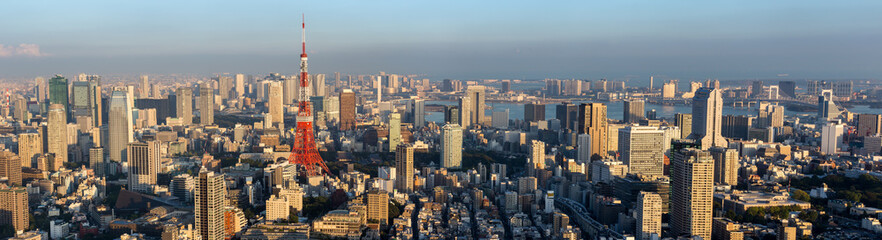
(455, 39)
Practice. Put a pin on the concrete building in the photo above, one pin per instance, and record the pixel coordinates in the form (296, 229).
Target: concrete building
(593, 121)
(210, 191)
(274, 104)
(534, 112)
(394, 131)
(642, 149)
(144, 165)
(537, 155)
(451, 146)
(378, 206)
(10, 167)
(477, 95)
(57, 132)
(648, 213)
(633, 111)
(583, 148)
(725, 165)
(831, 138)
(707, 114)
(869, 125)
(119, 127)
(339, 223)
(206, 106)
(347, 110)
(692, 192)
(29, 147)
(184, 104)
(404, 168)
(14, 207)
(684, 122)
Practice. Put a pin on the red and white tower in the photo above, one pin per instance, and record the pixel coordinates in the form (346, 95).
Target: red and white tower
(304, 152)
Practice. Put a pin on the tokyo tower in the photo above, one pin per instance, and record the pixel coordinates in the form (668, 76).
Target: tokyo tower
(304, 152)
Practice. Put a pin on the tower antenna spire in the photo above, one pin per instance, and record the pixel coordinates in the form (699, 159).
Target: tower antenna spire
(303, 32)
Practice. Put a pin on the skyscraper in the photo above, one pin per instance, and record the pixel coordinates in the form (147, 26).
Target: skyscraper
(58, 92)
(534, 112)
(210, 205)
(143, 165)
(451, 146)
(145, 87)
(184, 102)
(404, 168)
(692, 192)
(583, 147)
(537, 155)
(347, 110)
(827, 110)
(770, 116)
(477, 95)
(451, 114)
(95, 104)
(788, 88)
(419, 113)
(275, 103)
(29, 147)
(465, 111)
(725, 165)
(378, 206)
(831, 137)
(57, 132)
(118, 126)
(567, 113)
(649, 215)
(224, 86)
(684, 122)
(633, 111)
(96, 161)
(394, 131)
(707, 116)
(869, 125)
(756, 89)
(14, 207)
(206, 105)
(10, 167)
(239, 85)
(642, 149)
(593, 121)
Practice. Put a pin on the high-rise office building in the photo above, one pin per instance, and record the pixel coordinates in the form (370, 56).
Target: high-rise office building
(451, 115)
(465, 111)
(669, 90)
(476, 95)
(143, 165)
(14, 207)
(144, 90)
(593, 121)
(274, 104)
(831, 137)
(119, 128)
(788, 88)
(394, 131)
(506, 86)
(224, 86)
(451, 146)
(10, 167)
(96, 161)
(869, 125)
(725, 165)
(633, 111)
(756, 89)
(692, 192)
(347, 110)
(57, 132)
(206, 105)
(537, 155)
(419, 113)
(770, 116)
(29, 147)
(707, 116)
(648, 213)
(239, 85)
(583, 148)
(736, 127)
(210, 205)
(500, 119)
(534, 112)
(684, 122)
(80, 99)
(642, 149)
(567, 113)
(184, 104)
(58, 92)
(378, 206)
(827, 109)
(404, 168)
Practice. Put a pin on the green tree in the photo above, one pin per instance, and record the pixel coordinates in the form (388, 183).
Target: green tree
(800, 195)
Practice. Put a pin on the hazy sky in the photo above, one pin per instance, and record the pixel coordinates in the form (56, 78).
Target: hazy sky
(456, 39)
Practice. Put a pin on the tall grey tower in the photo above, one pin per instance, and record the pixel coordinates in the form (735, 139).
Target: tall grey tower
(707, 115)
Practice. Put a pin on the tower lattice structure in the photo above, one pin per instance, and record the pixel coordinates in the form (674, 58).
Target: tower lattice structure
(304, 152)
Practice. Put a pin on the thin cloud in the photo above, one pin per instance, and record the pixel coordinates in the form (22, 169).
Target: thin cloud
(24, 49)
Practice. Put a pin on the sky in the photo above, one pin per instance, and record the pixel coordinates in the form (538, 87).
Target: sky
(447, 39)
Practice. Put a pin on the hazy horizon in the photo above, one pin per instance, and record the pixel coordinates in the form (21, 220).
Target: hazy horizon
(463, 40)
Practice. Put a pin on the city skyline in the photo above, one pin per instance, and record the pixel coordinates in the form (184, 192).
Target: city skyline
(480, 40)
